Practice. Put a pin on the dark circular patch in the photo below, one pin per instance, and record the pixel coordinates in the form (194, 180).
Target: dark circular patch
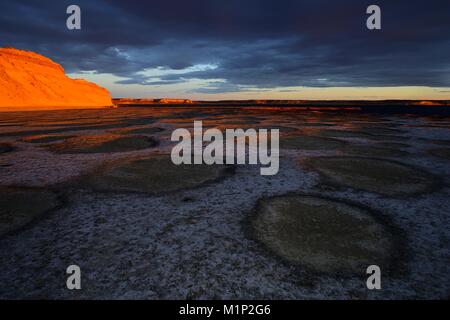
(343, 134)
(20, 206)
(147, 130)
(105, 143)
(324, 235)
(374, 175)
(441, 153)
(6, 147)
(310, 143)
(45, 138)
(152, 175)
(374, 151)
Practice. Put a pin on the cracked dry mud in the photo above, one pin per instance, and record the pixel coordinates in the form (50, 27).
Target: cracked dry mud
(352, 190)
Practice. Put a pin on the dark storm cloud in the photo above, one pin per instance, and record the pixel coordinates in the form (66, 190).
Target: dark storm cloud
(248, 44)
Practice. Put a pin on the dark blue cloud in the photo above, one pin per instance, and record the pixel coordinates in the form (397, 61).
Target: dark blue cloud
(251, 43)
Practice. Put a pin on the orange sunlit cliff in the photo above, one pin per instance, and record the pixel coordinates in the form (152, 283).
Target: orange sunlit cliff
(29, 81)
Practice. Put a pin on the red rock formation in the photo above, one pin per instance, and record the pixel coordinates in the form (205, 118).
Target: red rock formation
(29, 81)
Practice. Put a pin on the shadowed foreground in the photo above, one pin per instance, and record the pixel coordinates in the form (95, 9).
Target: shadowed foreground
(96, 188)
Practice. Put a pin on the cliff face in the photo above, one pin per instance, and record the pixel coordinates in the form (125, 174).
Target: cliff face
(29, 81)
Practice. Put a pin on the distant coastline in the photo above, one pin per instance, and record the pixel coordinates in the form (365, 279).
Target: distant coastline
(378, 106)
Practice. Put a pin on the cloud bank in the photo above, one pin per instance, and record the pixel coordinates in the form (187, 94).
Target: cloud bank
(240, 45)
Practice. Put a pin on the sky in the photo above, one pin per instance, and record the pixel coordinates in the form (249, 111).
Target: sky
(246, 49)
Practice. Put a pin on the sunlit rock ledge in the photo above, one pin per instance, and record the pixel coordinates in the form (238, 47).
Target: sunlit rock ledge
(29, 81)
